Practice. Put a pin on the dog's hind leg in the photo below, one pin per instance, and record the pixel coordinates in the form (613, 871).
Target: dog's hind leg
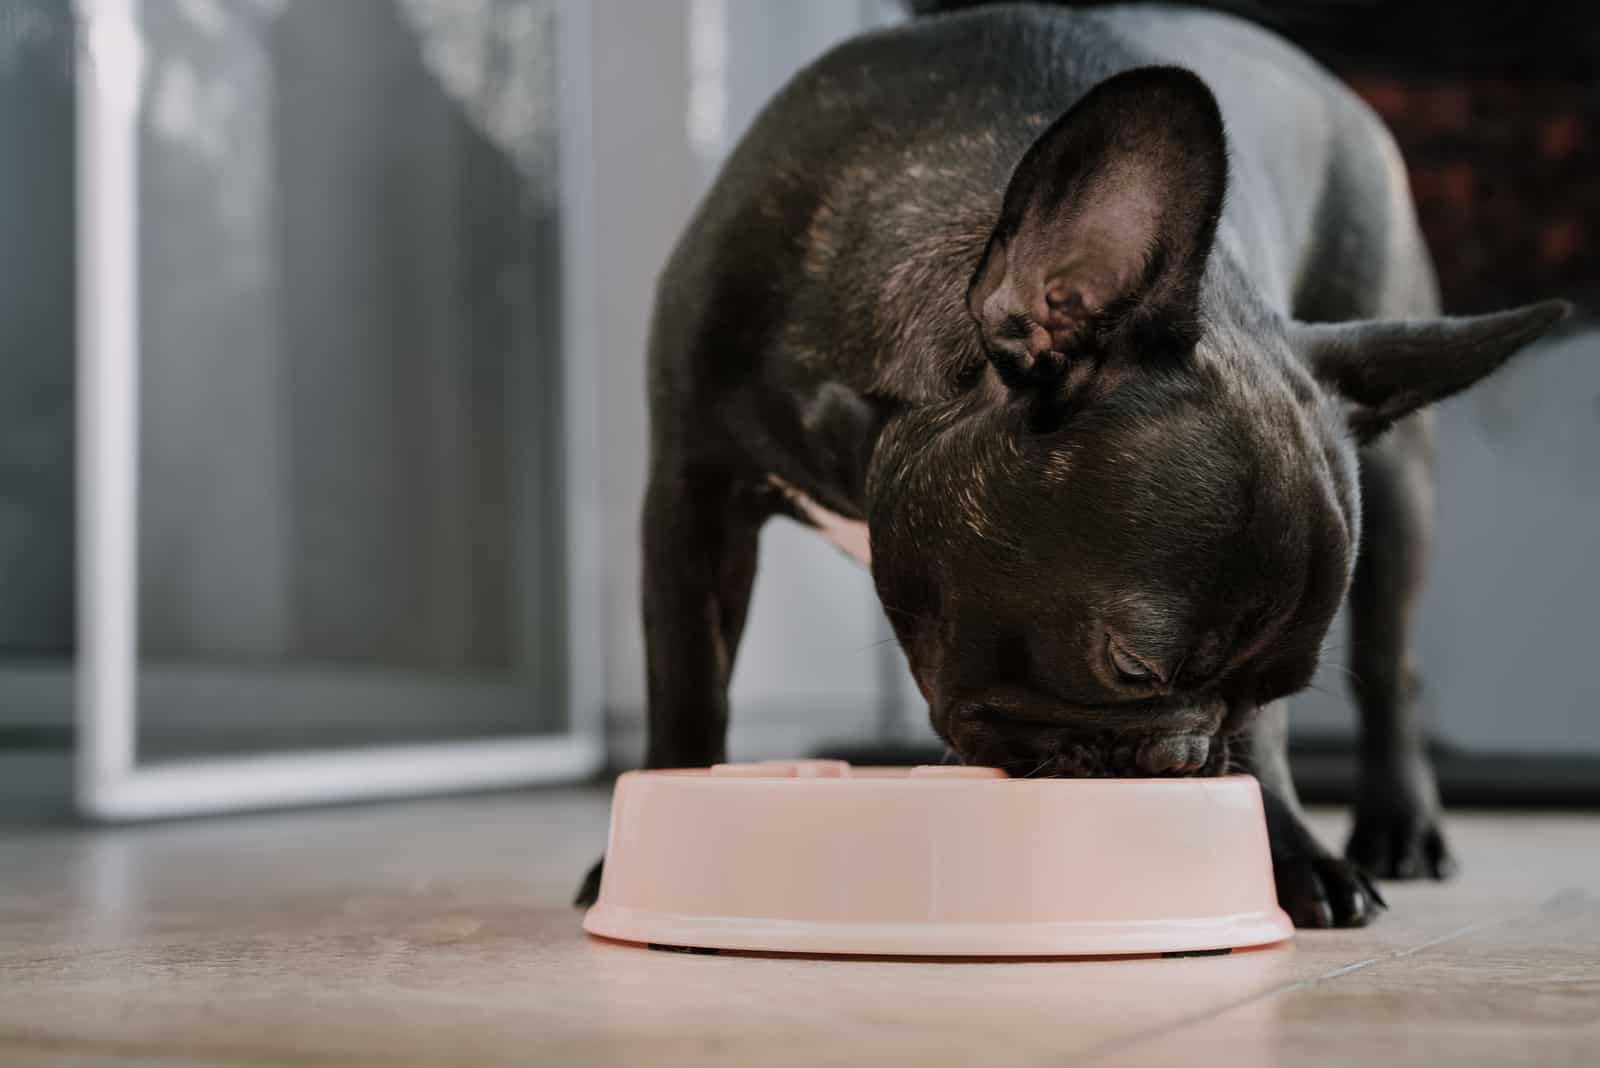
(1397, 832)
(1372, 262)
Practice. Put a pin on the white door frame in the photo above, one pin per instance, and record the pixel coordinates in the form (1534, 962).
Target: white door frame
(111, 784)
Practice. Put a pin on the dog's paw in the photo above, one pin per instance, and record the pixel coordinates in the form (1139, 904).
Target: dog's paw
(1399, 840)
(1316, 888)
(1324, 891)
(589, 892)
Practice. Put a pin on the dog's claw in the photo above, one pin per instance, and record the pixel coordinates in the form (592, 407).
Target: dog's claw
(589, 892)
(1371, 888)
(1325, 891)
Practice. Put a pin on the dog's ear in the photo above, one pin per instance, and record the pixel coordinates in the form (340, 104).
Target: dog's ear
(1384, 370)
(1106, 224)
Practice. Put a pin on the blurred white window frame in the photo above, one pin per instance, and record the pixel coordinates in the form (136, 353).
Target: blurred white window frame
(111, 784)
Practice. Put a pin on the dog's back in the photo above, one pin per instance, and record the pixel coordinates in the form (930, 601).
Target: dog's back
(866, 189)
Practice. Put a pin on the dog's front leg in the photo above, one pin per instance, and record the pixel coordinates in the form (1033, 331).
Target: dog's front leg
(1316, 888)
(700, 533)
(700, 536)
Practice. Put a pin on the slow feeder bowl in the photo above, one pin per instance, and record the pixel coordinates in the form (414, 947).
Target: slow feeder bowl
(822, 857)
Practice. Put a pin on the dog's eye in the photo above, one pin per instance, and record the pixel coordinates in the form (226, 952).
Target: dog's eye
(1130, 667)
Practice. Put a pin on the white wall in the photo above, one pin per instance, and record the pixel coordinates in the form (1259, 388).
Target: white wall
(1506, 633)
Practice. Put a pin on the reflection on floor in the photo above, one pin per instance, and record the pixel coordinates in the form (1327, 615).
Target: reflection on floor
(438, 932)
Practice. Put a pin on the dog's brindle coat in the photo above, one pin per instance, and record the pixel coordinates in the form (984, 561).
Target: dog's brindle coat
(999, 285)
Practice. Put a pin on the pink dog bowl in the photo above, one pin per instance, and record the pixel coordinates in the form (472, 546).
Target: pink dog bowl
(821, 857)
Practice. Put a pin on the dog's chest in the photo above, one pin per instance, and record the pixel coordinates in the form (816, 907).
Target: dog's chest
(849, 535)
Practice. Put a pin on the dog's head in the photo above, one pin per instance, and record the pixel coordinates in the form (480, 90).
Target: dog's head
(1136, 525)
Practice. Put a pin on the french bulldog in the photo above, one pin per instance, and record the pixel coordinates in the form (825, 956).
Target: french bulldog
(1105, 337)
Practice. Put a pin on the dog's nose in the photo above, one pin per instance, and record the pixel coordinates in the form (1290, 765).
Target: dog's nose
(1177, 754)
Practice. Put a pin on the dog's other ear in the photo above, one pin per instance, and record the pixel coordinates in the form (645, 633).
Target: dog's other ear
(1384, 370)
(1106, 224)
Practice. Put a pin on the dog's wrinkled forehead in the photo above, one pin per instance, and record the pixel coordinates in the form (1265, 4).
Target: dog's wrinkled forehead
(1217, 474)
(1166, 471)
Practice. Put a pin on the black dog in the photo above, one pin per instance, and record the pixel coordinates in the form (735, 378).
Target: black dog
(1030, 294)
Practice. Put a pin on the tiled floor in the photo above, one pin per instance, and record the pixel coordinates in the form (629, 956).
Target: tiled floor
(438, 933)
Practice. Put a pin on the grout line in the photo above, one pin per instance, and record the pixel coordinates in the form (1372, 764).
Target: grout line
(1325, 977)
(1114, 1046)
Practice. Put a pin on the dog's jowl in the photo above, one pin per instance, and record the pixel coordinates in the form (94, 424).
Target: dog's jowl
(1114, 329)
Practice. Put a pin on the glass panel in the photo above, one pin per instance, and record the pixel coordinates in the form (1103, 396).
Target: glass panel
(36, 406)
(349, 496)
(36, 348)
